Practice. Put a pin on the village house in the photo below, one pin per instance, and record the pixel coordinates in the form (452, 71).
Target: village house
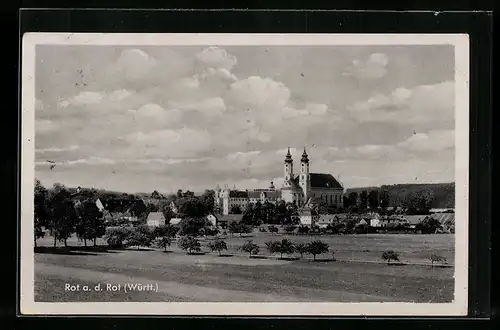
(155, 219)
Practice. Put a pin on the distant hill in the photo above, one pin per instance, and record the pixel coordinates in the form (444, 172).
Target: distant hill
(444, 193)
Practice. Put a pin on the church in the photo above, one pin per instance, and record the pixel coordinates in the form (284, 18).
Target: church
(301, 189)
(305, 186)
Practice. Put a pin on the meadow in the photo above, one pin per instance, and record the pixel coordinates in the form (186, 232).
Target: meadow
(357, 275)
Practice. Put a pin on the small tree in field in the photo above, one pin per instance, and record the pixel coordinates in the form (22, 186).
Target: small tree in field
(301, 248)
(303, 230)
(164, 242)
(189, 244)
(290, 229)
(250, 247)
(285, 246)
(316, 248)
(272, 247)
(390, 255)
(217, 245)
(437, 258)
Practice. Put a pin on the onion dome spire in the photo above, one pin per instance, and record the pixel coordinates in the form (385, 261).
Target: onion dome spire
(305, 158)
(288, 158)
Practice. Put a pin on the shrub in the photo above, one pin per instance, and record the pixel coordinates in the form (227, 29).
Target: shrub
(217, 245)
(437, 258)
(303, 230)
(272, 229)
(262, 229)
(250, 247)
(210, 231)
(301, 248)
(390, 255)
(189, 244)
(317, 247)
(290, 229)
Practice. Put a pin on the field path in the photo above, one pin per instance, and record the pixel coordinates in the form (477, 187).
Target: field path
(189, 292)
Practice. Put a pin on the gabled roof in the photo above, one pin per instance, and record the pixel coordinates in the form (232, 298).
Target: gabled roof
(254, 194)
(230, 218)
(415, 219)
(322, 180)
(238, 194)
(272, 194)
(156, 216)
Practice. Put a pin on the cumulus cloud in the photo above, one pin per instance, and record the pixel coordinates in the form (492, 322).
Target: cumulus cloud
(209, 106)
(374, 67)
(217, 58)
(408, 106)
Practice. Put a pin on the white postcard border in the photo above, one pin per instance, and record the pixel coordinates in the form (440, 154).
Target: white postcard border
(26, 287)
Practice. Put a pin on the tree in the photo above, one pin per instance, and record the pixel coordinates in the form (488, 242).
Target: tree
(116, 235)
(301, 248)
(373, 199)
(363, 199)
(303, 229)
(272, 246)
(165, 234)
(353, 199)
(193, 226)
(156, 195)
(428, 226)
(235, 209)
(250, 247)
(93, 221)
(191, 206)
(418, 202)
(239, 228)
(285, 246)
(40, 210)
(217, 245)
(290, 229)
(62, 214)
(208, 200)
(317, 247)
(189, 244)
(140, 236)
(384, 198)
(437, 258)
(168, 214)
(390, 255)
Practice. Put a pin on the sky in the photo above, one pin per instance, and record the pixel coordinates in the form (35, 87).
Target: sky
(193, 117)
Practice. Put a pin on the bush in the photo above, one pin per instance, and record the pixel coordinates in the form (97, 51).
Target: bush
(217, 245)
(290, 229)
(317, 247)
(250, 247)
(262, 229)
(390, 255)
(437, 258)
(272, 229)
(164, 242)
(189, 244)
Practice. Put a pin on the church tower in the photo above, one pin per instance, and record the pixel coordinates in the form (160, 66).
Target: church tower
(304, 179)
(288, 168)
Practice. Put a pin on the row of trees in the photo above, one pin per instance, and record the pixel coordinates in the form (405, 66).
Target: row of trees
(280, 213)
(57, 212)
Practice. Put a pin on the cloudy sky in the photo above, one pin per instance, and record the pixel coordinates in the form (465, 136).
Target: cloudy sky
(167, 118)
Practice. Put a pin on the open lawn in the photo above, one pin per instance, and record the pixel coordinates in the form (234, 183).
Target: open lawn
(176, 276)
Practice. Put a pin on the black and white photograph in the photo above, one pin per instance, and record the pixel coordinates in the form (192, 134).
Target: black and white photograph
(226, 174)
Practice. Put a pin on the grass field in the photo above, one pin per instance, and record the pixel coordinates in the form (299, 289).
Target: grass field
(181, 277)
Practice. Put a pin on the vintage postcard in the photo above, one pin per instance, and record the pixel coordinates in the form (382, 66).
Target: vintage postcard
(230, 174)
